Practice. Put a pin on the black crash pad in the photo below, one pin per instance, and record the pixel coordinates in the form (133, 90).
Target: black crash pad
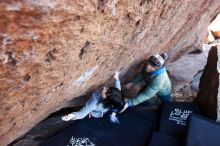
(160, 139)
(203, 132)
(135, 129)
(174, 118)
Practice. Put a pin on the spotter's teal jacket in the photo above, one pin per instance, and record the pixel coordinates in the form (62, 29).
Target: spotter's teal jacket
(158, 83)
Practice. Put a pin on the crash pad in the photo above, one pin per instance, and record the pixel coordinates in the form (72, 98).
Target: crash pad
(135, 129)
(203, 132)
(160, 139)
(174, 118)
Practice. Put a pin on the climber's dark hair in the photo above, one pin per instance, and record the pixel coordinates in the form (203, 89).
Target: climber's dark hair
(114, 98)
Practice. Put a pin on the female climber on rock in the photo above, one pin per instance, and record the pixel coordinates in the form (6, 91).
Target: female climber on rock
(100, 102)
(157, 81)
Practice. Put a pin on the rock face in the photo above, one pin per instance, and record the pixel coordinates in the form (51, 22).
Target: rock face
(53, 51)
(185, 73)
(183, 70)
(209, 94)
(214, 30)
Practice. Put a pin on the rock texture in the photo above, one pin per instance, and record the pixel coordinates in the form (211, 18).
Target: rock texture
(209, 94)
(54, 50)
(46, 129)
(183, 70)
(185, 73)
(214, 30)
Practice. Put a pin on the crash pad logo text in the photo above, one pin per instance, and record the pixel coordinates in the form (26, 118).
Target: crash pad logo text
(80, 142)
(179, 116)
